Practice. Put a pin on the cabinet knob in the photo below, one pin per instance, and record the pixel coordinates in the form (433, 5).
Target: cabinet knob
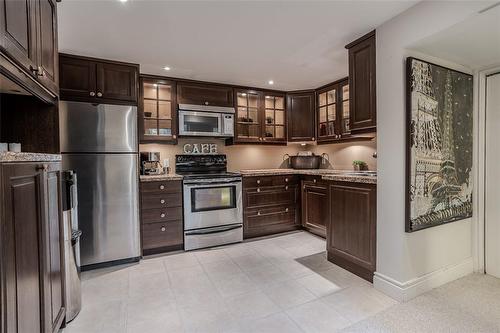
(314, 180)
(162, 215)
(313, 139)
(258, 213)
(260, 139)
(162, 201)
(163, 228)
(258, 181)
(258, 190)
(99, 94)
(286, 187)
(286, 180)
(206, 103)
(162, 187)
(286, 210)
(92, 94)
(264, 139)
(174, 136)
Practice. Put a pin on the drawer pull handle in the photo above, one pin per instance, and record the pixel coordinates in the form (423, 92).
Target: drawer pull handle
(162, 201)
(258, 190)
(163, 228)
(162, 187)
(258, 181)
(162, 215)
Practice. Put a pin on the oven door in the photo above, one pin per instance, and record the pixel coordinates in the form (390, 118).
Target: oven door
(200, 123)
(212, 204)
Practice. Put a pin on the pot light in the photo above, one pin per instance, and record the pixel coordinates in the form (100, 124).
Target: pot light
(166, 68)
(123, 0)
(270, 82)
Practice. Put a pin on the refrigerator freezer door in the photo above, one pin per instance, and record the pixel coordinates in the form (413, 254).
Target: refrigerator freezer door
(107, 206)
(89, 128)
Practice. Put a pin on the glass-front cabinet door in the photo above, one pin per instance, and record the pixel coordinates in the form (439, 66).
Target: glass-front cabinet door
(333, 111)
(274, 118)
(157, 111)
(248, 116)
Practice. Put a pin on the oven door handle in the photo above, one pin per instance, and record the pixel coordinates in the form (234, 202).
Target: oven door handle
(194, 184)
(213, 230)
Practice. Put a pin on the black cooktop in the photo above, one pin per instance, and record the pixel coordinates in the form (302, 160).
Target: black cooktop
(203, 166)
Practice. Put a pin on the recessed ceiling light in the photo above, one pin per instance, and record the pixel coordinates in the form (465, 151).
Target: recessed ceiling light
(123, 0)
(166, 68)
(271, 82)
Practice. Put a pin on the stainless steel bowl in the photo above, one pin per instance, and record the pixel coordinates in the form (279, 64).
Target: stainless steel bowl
(305, 162)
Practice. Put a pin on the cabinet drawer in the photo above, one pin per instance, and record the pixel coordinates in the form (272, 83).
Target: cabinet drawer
(155, 200)
(285, 180)
(314, 179)
(158, 235)
(270, 220)
(250, 182)
(257, 197)
(168, 186)
(161, 214)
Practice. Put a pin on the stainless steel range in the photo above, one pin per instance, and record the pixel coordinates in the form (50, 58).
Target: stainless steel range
(213, 213)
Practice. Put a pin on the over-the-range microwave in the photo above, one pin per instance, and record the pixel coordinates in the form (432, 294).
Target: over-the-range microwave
(201, 120)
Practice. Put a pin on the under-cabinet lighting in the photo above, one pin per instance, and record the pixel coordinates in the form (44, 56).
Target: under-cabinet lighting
(166, 68)
(271, 82)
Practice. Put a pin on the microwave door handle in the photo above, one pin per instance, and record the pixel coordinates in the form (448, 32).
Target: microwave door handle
(219, 121)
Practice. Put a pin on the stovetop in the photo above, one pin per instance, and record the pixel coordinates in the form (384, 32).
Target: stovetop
(203, 166)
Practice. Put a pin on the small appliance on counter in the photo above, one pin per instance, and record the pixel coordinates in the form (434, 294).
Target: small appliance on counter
(213, 210)
(150, 163)
(71, 244)
(307, 160)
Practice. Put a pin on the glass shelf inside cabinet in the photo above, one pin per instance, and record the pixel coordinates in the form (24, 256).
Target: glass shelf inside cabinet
(274, 117)
(248, 125)
(157, 105)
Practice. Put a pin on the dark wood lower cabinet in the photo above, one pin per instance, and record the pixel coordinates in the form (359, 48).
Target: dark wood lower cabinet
(315, 205)
(351, 234)
(162, 228)
(31, 248)
(270, 205)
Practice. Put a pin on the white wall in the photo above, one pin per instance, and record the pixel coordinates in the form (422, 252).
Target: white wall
(409, 264)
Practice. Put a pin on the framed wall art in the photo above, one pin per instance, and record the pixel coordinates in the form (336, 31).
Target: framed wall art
(439, 145)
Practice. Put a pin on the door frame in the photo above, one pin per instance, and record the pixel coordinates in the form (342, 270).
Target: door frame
(478, 230)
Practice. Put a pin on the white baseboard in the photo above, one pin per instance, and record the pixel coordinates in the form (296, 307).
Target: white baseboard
(404, 291)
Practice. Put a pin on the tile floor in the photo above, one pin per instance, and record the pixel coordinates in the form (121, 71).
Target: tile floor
(280, 284)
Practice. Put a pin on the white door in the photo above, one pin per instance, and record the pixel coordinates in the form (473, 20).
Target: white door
(492, 195)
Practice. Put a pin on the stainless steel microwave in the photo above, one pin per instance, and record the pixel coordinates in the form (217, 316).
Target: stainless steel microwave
(200, 120)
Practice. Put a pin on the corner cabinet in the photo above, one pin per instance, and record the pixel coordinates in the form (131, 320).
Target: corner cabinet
(351, 233)
(260, 117)
(31, 262)
(362, 84)
(97, 81)
(29, 37)
(301, 116)
(157, 111)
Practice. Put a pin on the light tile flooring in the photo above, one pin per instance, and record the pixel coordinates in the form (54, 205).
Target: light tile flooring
(280, 284)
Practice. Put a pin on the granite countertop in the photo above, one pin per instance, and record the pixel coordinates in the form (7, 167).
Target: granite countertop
(155, 178)
(327, 174)
(9, 157)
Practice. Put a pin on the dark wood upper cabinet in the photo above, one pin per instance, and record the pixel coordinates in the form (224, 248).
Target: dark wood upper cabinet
(29, 38)
(333, 117)
(77, 77)
(351, 234)
(48, 54)
(31, 256)
(301, 116)
(249, 117)
(98, 81)
(362, 84)
(204, 94)
(157, 110)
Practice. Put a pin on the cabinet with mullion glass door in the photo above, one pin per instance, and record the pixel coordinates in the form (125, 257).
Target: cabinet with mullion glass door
(274, 118)
(333, 112)
(248, 116)
(157, 113)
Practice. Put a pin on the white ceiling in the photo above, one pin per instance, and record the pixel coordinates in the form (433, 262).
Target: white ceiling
(473, 43)
(298, 44)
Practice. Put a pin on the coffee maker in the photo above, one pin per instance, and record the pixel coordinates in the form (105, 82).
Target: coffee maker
(150, 163)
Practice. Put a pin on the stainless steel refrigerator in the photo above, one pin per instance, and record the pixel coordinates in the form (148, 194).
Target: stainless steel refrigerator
(99, 142)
